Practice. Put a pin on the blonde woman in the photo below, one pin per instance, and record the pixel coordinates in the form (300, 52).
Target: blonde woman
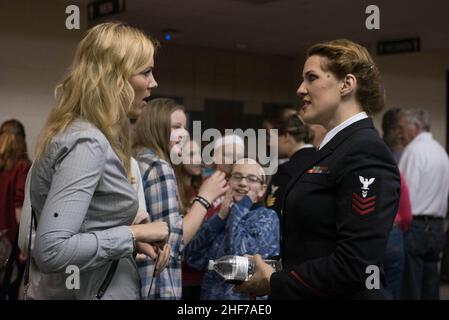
(80, 191)
(159, 131)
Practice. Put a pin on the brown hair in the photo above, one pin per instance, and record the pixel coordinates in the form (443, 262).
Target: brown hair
(13, 126)
(12, 144)
(346, 57)
(153, 127)
(188, 185)
(389, 124)
(287, 120)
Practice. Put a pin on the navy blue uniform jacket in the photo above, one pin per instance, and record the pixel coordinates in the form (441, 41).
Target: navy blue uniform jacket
(279, 181)
(337, 214)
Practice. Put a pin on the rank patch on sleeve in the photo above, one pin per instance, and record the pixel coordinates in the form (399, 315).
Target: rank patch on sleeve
(364, 194)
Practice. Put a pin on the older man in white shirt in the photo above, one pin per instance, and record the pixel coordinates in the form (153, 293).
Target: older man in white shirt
(425, 166)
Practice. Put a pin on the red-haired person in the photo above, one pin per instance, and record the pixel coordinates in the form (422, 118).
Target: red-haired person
(340, 206)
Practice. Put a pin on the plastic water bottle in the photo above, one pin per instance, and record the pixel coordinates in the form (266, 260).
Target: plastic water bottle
(235, 269)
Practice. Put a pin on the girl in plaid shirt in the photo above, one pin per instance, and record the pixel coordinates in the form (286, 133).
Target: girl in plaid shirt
(159, 131)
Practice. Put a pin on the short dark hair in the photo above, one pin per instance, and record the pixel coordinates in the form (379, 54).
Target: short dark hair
(390, 119)
(287, 120)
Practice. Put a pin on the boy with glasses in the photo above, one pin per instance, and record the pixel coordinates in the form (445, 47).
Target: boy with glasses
(242, 226)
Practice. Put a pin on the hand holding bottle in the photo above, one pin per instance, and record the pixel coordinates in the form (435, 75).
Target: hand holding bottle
(259, 283)
(240, 268)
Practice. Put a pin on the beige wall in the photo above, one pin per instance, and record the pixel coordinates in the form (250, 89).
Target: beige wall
(417, 81)
(37, 49)
(38, 56)
(412, 81)
(199, 73)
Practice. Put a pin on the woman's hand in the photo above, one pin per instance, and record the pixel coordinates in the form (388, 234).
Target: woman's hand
(259, 283)
(214, 186)
(154, 232)
(164, 258)
(146, 249)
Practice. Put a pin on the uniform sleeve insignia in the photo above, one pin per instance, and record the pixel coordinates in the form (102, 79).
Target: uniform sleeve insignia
(271, 200)
(364, 195)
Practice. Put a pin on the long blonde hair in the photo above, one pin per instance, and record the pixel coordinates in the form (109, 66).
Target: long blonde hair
(97, 87)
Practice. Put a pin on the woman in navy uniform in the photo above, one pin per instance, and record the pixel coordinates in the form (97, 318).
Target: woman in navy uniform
(339, 208)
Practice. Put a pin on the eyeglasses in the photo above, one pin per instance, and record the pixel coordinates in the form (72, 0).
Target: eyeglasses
(237, 177)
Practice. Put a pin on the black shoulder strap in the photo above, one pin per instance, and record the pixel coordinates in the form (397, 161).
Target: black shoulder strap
(12, 258)
(104, 286)
(26, 273)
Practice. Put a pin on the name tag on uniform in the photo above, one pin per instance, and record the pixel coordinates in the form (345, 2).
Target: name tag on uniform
(319, 170)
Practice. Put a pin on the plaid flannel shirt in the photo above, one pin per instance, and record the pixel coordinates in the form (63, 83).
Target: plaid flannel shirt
(249, 229)
(161, 197)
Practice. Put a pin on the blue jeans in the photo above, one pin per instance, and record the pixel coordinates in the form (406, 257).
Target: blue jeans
(444, 272)
(394, 262)
(424, 242)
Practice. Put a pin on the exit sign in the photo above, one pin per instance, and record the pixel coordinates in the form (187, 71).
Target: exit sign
(398, 46)
(104, 8)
